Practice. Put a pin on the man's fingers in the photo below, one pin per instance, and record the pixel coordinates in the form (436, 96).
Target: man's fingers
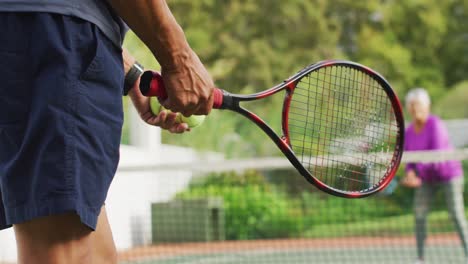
(179, 106)
(179, 128)
(167, 120)
(204, 109)
(187, 108)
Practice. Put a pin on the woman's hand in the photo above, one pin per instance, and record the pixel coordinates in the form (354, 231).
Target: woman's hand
(411, 180)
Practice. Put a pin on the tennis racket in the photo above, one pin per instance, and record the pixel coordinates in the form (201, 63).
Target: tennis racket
(342, 124)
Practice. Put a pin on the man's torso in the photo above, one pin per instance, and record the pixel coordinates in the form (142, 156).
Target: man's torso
(97, 12)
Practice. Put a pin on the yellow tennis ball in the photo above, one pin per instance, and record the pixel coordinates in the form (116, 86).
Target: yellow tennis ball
(191, 121)
(155, 105)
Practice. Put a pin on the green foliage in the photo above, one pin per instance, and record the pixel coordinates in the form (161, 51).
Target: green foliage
(232, 179)
(319, 209)
(438, 222)
(250, 45)
(254, 38)
(252, 209)
(453, 51)
(454, 104)
(280, 205)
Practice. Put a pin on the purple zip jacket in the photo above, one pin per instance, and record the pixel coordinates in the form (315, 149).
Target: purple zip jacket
(434, 136)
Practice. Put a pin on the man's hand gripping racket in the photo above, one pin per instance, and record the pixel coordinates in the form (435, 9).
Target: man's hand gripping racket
(342, 125)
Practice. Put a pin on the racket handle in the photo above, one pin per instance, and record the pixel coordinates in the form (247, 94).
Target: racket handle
(151, 84)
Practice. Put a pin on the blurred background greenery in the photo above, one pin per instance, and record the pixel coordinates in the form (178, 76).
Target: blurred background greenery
(251, 45)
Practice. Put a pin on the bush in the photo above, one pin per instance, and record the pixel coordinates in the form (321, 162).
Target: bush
(453, 104)
(256, 208)
(253, 208)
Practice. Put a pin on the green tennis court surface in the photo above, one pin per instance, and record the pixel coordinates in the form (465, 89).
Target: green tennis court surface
(443, 248)
(382, 255)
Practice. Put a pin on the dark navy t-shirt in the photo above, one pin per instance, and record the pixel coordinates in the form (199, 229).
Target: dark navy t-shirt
(98, 12)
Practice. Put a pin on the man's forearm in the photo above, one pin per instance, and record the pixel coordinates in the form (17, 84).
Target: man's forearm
(154, 23)
(188, 84)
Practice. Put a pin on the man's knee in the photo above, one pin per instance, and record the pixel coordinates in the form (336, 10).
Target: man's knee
(58, 239)
(64, 239)
(103, 242)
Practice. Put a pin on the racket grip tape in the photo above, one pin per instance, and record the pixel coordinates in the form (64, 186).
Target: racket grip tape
(152, 84)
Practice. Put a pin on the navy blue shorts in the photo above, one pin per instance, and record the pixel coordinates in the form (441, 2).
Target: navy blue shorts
(61, 117)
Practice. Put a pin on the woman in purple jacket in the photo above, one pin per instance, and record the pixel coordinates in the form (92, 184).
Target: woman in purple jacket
(427, 132)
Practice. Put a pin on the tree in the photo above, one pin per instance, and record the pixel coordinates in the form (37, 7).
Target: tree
(250, 45)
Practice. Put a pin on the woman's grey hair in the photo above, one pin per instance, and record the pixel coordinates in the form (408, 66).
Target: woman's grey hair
(417, 94)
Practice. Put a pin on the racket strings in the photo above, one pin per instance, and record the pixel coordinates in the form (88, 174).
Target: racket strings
(342, 127)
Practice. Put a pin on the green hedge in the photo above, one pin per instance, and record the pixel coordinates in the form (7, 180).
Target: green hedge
(260, 206)
(253, 208)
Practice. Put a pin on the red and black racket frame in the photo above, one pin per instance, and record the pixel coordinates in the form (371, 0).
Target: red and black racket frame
(151, 84)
